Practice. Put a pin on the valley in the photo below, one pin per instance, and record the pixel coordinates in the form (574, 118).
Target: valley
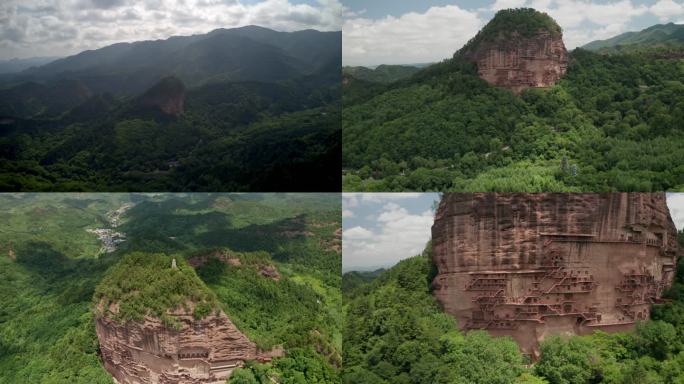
(268, 277)
(109, 237)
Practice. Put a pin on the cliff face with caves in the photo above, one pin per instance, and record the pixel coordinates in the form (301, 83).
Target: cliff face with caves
(519, 49)
(531, 265)
(157, 323)
(195, 352)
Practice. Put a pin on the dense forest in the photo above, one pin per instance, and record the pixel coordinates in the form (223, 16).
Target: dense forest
(613, 123)
(54, 272)
(380, 74)
(265, 120)
(395, 332)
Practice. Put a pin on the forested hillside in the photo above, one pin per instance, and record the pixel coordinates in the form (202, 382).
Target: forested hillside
(267, 119)
(380, 74)
(660, 36)
(612, 123)
(395, 332)
(51, 262)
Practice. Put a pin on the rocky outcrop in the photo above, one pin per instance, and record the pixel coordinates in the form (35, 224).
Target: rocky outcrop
(220, 255)
(226, 257)
(269, 271)
(530, 265)
(518, 63)
(168, 95)
(518, 49)
(195, 352)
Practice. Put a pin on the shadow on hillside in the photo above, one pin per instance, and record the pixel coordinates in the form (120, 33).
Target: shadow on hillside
(155, 227)
(73, 280)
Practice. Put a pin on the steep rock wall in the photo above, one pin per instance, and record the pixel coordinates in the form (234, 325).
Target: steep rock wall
(518, 63)
(529, 265)
(196, 352)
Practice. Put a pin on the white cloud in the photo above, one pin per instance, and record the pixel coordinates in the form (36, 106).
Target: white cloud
(399, 234)
(675, 201)
(666, 9)
(356, 233)
(350, 200)
(354, 199)
(584, 21)
(411, 38)
(62, 27)
(347, 213)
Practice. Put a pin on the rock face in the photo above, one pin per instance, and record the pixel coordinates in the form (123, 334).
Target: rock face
(518, 49)
(530, 265)
(199, 351)
(168, 95)
(517, 63)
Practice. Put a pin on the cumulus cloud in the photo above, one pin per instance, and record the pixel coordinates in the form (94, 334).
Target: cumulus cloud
(352, 200)
(675, 201)
(584, 21)
(357, 233)
(666, 9)
(398, 234)
(411, 38)
(63, 27)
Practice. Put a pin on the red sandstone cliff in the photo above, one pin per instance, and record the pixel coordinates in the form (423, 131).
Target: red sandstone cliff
(517, 63)
(529, 265)
(196, 352)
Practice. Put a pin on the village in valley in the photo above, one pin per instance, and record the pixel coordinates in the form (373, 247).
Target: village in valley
(109, 237)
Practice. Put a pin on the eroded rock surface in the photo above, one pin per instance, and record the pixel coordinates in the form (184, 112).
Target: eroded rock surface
(517, 63)
(530, 265)
(197, 352)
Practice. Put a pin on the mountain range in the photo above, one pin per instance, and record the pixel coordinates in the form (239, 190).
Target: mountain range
(657, 36)
(17, 65)
(246, 53)
(245, 108)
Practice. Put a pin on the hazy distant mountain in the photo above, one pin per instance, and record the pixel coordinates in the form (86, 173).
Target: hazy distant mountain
(238, 54)
(32, 99)
(18, 65)
(660, 35)
(224, 55)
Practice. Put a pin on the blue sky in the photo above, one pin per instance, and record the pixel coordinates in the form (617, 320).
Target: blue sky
(33, 28)
(416, 31)
(380, 229)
